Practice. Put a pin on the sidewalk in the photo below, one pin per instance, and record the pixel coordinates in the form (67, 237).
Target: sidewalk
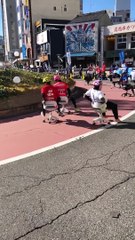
(27, 133)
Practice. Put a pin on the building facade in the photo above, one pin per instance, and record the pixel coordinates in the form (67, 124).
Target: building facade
(122, 10)
(16, 29)
(84, 38)
(54, 10)
(1, 48)
(50, 41)
(19, 17)
(119, 38)
(24, 29)
(10, 30)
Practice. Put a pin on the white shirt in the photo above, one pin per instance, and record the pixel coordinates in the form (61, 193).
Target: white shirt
(96, 96)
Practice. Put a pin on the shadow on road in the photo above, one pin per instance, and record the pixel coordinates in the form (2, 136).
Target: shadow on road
(124, 125)
(80, 123)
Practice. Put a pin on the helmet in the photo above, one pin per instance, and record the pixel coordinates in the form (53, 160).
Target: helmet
(56, 78)
(46, 79)
(97, 83)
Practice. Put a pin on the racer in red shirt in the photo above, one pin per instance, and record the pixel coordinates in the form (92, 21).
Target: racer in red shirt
(48, 93)
(62, 90)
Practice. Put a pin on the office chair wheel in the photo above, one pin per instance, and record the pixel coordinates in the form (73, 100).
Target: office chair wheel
(126, 94)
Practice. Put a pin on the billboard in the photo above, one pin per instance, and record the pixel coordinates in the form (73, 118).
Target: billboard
(81, 37)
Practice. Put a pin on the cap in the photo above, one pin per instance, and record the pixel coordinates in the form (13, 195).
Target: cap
(97, 83)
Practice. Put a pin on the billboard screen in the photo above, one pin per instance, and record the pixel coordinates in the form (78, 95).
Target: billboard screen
(81, 37)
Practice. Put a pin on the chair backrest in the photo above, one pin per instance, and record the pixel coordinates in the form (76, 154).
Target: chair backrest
(100, 109)
(63, 100)
(51, 105)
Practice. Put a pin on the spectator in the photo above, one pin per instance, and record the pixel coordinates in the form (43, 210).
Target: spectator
(80, 71)
(124, 83)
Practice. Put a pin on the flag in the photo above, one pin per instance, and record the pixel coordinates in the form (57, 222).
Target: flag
(121, 56)
(68, 58)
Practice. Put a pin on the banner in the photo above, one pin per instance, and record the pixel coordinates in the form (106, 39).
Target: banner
(122, 56)
(68, 58)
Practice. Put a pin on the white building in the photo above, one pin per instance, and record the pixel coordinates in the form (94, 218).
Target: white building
(121, 11)
(122, 5)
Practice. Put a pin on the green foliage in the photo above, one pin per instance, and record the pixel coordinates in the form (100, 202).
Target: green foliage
(6, 76)
(29, 80)
(5, 92)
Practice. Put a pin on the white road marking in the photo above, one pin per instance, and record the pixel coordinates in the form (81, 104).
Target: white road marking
(30, 154)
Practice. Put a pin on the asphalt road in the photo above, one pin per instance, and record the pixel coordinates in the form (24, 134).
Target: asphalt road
(81, 191)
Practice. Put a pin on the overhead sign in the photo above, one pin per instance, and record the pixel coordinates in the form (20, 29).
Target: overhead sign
(120, 28)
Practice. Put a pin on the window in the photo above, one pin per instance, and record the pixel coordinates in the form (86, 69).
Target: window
(54, 8)
(133, 40)
(65, 8)
(128, 15)
(121, 41)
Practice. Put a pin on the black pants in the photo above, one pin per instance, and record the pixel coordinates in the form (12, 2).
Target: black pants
(110, 106)
(73, 100)
(113, 106)
(43, 110)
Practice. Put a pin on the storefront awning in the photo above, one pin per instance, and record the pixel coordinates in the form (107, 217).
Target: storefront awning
(82, 54)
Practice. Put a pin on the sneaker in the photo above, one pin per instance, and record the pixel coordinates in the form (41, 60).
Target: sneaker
(61, 114)
(42, 114)
(118, 120)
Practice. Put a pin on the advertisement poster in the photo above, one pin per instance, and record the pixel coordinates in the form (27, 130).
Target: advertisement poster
(81, 37)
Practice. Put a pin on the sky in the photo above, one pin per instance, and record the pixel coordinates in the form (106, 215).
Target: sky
(92, 6)
(97, 5)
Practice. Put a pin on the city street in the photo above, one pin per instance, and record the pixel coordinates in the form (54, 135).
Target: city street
(74, 178)
(82, 190)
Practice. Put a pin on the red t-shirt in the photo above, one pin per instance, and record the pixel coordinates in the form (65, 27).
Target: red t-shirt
(98, 70)
(61, 88)
(103, 68)
(49, 93)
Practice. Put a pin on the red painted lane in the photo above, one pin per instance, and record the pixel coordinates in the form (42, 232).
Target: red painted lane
(23, 135)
